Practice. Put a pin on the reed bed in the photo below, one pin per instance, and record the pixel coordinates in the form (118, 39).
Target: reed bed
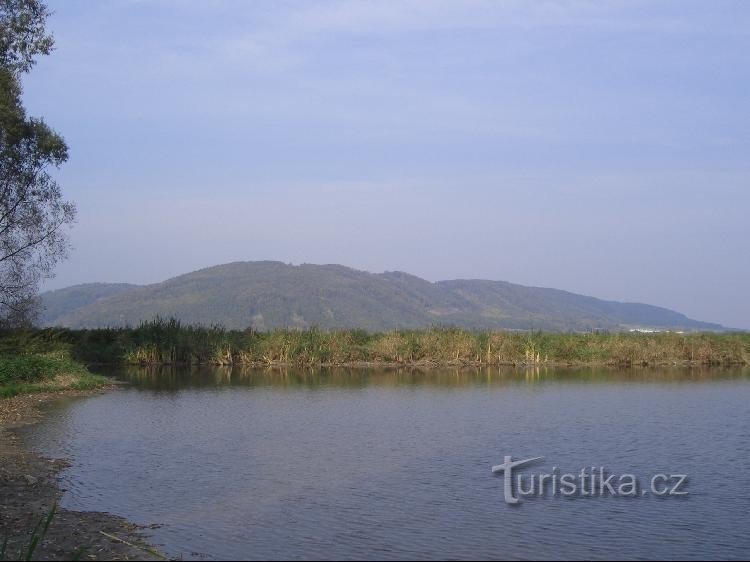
(170, 342)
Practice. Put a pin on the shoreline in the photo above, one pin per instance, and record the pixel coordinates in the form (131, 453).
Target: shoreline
(29, 489)
(164, 342)
(434, 364)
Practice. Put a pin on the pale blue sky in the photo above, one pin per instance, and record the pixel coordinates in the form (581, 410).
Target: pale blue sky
(599, 147)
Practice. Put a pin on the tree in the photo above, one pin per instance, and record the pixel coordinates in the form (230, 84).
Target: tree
(33, 213)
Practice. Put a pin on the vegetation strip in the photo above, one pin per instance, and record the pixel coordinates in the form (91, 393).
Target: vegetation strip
(170, 342)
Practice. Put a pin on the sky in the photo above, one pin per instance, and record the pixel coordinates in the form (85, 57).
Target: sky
(597, 147)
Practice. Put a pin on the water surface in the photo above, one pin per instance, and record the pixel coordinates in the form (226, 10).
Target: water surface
(385, 465)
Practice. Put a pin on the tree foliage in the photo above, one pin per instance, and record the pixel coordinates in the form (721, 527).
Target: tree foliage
(32, 209)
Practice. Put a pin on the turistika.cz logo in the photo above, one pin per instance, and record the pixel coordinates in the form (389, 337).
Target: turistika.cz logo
(588, 482)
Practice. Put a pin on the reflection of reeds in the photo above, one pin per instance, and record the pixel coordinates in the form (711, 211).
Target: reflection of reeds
(170, 378)
(170, 342)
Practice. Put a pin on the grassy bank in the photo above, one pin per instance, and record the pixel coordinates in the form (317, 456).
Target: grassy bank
(169, 342)
(44, 372)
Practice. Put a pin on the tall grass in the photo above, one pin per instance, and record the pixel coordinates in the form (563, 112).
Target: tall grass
(170, 342)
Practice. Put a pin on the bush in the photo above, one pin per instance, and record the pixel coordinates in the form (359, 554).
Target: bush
(35, 368)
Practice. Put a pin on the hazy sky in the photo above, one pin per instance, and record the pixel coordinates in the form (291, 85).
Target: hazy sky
(599, 147)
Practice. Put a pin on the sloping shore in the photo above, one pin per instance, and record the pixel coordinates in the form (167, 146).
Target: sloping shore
(29, 490)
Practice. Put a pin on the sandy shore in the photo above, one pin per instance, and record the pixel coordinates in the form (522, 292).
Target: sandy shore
(29, 489)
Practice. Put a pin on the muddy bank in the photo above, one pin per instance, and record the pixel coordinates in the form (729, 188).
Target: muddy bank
(29, 490)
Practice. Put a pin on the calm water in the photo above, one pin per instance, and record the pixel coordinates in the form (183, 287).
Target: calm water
(300, 464)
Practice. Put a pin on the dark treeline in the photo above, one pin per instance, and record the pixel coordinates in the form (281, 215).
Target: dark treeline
(170, 342)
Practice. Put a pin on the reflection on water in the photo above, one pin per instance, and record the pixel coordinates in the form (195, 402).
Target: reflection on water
(390, 464)
(169, 377)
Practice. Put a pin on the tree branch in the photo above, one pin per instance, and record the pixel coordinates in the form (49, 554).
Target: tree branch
(33, 243)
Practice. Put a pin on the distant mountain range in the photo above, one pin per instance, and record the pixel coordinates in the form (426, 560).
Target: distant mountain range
(269, 295)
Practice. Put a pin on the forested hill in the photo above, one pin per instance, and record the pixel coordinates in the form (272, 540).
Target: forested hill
(269, 295)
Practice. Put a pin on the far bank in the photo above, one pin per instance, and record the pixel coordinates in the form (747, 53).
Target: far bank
(170, 342)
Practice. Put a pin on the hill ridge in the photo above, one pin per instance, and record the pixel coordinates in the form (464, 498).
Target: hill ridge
(272, 294)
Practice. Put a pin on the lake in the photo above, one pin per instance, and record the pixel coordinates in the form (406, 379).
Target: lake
(370, 464)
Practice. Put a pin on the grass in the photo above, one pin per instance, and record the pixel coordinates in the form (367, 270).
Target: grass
(43, 372)
(170, 342)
